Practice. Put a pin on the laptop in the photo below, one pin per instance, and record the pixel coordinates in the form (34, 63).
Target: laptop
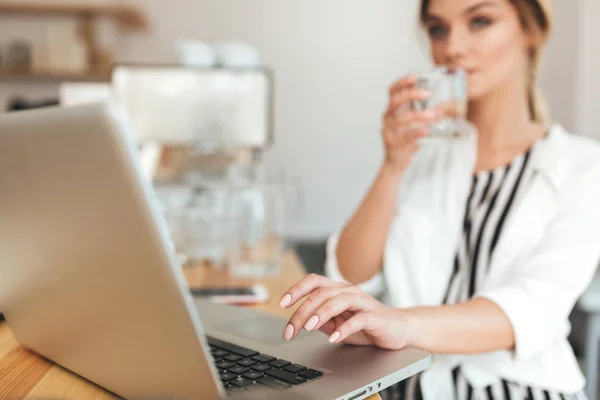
(89, 280)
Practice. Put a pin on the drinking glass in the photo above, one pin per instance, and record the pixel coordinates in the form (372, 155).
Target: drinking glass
(448, 88)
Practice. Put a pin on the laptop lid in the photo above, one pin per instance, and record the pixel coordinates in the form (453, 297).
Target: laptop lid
(87, 277)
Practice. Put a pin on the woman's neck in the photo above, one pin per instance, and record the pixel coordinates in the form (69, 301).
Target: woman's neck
(501, 119)
(504, 127)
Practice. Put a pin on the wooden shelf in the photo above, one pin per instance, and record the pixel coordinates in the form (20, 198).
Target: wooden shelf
(129, 17)
(52, 78)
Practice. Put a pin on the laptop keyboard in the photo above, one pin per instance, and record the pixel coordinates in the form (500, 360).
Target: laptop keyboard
(241, 368)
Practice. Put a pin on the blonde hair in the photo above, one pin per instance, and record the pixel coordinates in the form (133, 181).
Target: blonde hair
(536, 19)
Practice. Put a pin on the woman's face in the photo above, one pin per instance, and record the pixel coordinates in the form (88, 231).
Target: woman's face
(484, 37)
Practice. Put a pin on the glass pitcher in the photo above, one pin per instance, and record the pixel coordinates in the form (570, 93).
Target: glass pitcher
(197, 219)
(260, 206)
(257, 229)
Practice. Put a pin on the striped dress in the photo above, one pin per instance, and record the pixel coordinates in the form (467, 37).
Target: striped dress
(493, 194)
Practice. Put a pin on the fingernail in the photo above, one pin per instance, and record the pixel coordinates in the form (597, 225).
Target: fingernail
(310, 325)
(285, 301)
(334, 337)
(288, 332)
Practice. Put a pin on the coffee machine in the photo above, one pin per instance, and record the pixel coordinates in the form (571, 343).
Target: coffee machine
(196, 123)
(203, 134)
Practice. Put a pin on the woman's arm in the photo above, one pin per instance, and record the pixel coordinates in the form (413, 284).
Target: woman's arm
(526, 308)
(347, 314)
(477, 326)
(360, 248)
(359, 252)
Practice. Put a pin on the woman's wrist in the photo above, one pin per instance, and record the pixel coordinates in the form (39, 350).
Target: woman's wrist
(410, 326)
(392, 171)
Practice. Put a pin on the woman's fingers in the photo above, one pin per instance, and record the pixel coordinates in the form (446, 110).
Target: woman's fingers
(339, 305)
(329, 327)
(399, 138)
(402, 84)
(354, 325)
(409, 119)
(409, 125)
(402, 125)
(404, 98)
(305, 316)
(306, 286)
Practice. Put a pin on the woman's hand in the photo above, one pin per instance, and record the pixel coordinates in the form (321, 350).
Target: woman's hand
(403, 127)
(345, 313)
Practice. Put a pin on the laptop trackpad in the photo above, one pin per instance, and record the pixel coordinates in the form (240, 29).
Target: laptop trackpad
(263, 329)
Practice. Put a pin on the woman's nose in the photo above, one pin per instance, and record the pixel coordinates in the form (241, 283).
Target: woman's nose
(457, 45)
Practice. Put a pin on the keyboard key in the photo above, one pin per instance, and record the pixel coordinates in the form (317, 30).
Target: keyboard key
(238, 370)
(217, 360)
(232, 357)
(310, 374)
(294, 368)
(254, 375)
(240, 381)
(227, 376)
(246, 362)
(232, 348)
(219, 353)
(279, 363)
(263, 358)
(260, 367)
(274, 383)
(286, 376)
(224, 364)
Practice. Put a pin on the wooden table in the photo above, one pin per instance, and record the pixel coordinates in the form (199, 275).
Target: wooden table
(25, 375)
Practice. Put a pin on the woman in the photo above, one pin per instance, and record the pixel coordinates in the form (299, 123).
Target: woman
(479, 249)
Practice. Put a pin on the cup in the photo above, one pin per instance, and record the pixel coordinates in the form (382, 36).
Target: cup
(448, 88)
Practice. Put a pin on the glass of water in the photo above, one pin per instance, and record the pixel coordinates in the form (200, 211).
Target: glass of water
(448, 88)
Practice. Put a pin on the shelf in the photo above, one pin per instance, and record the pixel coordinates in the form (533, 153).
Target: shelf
(129, 17)
(52, 78)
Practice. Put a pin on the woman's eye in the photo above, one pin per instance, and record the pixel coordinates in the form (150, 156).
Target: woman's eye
(480, 22)
(437, 31)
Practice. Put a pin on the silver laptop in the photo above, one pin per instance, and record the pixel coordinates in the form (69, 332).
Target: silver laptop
(89, 280)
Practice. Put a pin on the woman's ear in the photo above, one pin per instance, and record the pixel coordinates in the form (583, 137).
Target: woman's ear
(530, 45)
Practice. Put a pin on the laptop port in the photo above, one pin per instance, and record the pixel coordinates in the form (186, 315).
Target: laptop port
(356, 396)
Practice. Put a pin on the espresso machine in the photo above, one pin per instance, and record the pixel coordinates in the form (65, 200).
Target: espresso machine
(203, 134)
(197, 123)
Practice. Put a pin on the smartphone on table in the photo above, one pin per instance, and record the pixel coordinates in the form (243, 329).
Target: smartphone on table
(253, 294)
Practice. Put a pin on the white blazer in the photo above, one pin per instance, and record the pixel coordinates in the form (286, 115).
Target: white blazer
(546, 257)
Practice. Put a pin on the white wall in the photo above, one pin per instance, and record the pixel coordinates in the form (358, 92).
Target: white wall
(562, 59)
(588, 72)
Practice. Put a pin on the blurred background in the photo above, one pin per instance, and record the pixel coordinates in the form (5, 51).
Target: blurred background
(332, 63)
(281, 96)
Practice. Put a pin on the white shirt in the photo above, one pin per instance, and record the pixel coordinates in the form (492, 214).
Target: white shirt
(545, 258)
